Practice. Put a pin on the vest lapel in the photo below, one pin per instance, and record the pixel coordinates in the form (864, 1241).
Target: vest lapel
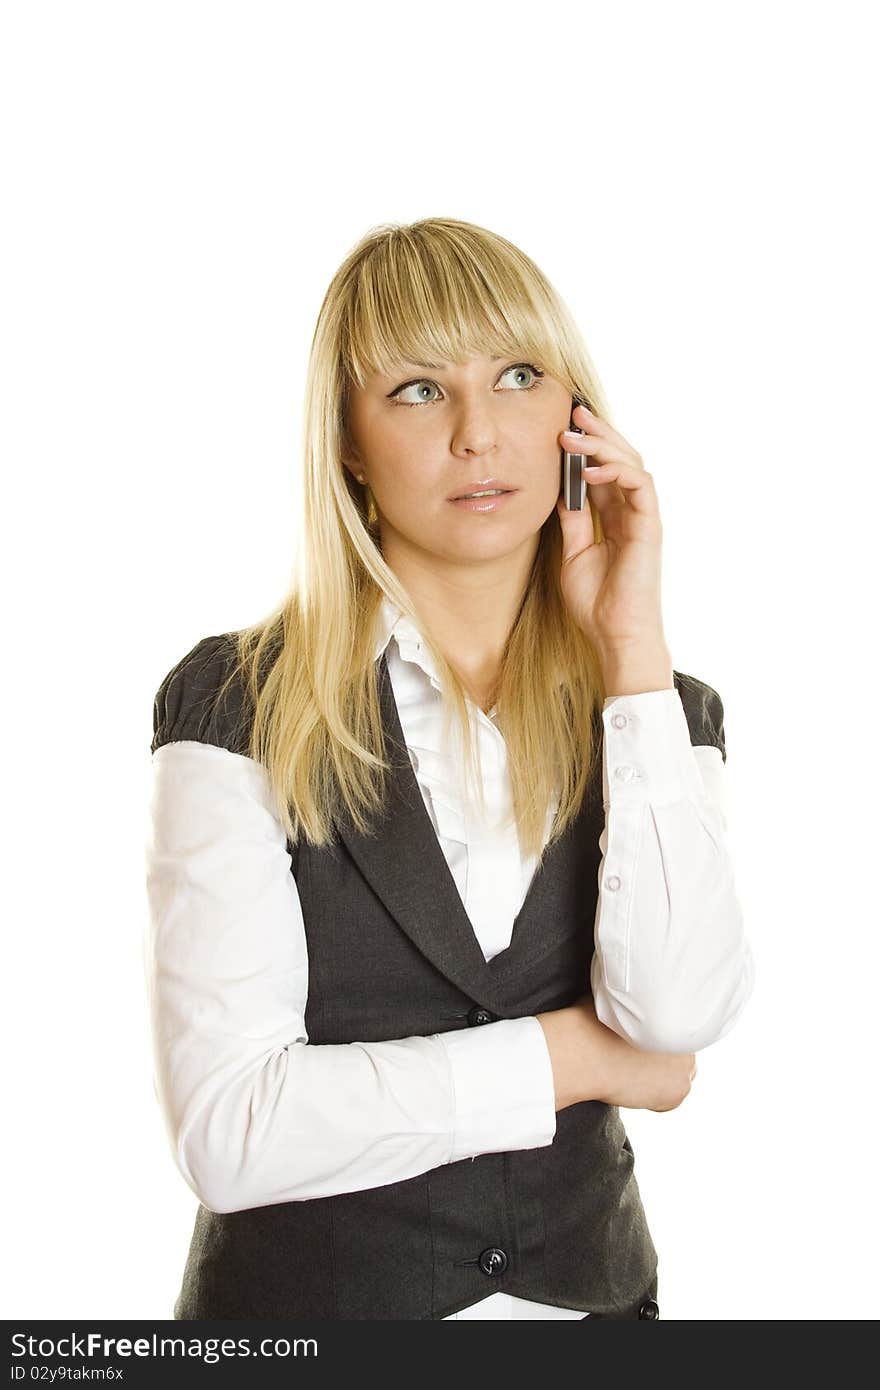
(403, 863)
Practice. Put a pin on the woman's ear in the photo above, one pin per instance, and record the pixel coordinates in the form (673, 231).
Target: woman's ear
(352, 463)
(349, 456)
(347, 451)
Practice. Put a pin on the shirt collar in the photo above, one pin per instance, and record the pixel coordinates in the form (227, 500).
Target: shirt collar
(391, 621)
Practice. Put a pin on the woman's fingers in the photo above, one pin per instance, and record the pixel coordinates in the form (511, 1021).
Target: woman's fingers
(592, 446)
(611, 446)
(635, 483)
(612, 469)
(602, 430)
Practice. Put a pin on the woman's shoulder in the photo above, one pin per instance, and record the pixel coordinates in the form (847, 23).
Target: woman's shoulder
(204, 698)
(703, 710)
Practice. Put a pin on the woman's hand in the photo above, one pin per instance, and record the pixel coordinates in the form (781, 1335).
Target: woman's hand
(592, 1062)
(612, 586)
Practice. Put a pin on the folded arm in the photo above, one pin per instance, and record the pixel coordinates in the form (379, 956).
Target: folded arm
(672, 968)
(256, 1114)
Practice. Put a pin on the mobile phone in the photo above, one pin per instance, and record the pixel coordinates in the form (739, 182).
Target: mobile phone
(574, 484)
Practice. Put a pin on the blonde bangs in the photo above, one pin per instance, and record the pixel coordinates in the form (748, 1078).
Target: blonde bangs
(435, 293)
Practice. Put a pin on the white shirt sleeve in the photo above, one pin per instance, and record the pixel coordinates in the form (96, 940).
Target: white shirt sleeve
(672, 968)
(254, 1112)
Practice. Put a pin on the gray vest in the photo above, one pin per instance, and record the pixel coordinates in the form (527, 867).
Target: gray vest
(393, 954)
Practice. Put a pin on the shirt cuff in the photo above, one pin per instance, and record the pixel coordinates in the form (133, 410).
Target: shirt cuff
(504, 1091)
(648, 751)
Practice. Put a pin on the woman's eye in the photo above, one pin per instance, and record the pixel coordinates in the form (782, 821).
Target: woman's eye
(413, 386)
(418, 386)
(527, 367)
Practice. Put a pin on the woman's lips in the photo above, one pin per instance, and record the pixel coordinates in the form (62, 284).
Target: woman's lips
(483, 504)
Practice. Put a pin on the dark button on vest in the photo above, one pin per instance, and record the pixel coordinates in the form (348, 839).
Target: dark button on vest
(393, 954)
(493, 1261)
(477, 1015)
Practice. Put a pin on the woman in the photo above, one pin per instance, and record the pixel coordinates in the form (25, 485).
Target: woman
(438, 877)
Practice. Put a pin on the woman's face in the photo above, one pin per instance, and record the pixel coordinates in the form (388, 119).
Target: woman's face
(426, 435)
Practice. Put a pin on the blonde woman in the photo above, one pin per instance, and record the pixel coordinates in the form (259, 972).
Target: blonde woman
(438, 876)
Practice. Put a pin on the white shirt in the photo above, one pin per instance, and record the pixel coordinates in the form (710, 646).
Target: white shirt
(256, 1116)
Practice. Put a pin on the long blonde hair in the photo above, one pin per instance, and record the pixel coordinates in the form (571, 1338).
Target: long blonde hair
(434, 290)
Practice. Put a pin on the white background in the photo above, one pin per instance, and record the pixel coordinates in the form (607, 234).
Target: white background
(181, 181)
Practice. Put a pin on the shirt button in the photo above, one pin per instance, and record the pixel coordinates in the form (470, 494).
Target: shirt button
(625, 773)
(612, 882)
(493, 1261)
(618, 720)
(650, 1309)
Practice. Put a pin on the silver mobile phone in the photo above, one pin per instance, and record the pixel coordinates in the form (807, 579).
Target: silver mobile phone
(574, 484)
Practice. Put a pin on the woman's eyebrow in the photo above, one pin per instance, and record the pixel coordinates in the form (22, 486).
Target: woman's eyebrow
(434, 366)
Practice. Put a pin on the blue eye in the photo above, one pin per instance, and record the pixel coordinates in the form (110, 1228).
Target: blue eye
(396, 394)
